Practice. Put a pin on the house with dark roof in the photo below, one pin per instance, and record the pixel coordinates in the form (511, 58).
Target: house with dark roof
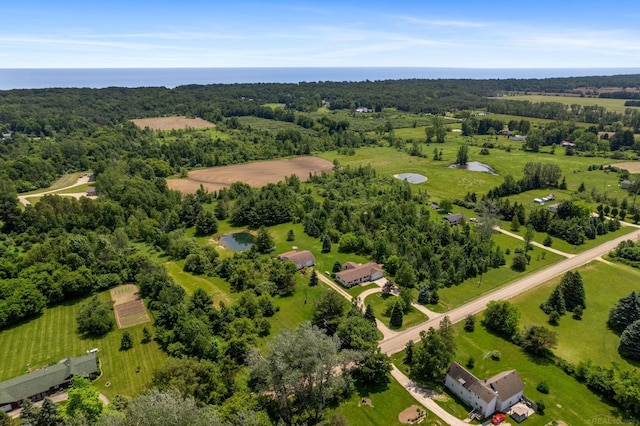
(453, 219)
(45, 381)
(625, 184)
(498, 393)
(353, 274)
(302, 259)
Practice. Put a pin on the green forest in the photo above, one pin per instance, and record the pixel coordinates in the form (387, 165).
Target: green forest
(224, 364)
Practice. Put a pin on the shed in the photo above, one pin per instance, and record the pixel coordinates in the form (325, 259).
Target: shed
(301, 259)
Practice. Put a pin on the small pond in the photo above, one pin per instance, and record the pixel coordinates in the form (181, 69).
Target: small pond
(474, 166)
(237, 241)
(411, 177)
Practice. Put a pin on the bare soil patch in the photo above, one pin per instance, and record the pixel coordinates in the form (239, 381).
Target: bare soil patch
(255, 174)
(632, 166)
(128, 306)
(412, 415)
(171, 123)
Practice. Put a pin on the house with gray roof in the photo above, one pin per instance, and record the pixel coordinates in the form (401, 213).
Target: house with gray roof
(45, 381)
(453, 219)
(496, 394)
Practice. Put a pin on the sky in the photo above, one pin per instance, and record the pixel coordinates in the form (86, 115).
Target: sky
(367, 33)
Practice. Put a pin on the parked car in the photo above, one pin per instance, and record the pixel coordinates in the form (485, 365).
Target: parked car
(497, 418)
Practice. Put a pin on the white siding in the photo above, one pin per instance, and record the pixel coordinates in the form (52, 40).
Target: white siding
(474, 401)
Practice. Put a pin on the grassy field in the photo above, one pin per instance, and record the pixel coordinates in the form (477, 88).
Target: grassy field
(64, 181)
(216, 287)
(564, 246)
(378, 302)
(450, 183)
(386, 403)
(52, 337)
(470, 289)
(610, 104)
(568, 400)
(75, 190)
(573, 345)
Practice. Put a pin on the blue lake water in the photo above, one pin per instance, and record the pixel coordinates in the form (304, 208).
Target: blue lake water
(411, 177)
(237, 241)
(31, 78)
(474, 166)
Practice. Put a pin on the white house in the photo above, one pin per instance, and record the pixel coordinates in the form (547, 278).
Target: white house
(499, 393)
(353, 274)
(301, 259)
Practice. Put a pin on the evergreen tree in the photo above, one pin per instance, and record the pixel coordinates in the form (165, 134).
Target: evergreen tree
(556, 301)
(313, 279)
(630, 341)
(408, 353)
(624, 313)
(290, 235)
(264, 240)
(547, 241)
(563, 184)
(48, 414)
(396, 317)
(337, 266)
(326, 244)
(369, 315)
(470, 323)
(126, 342)
(573, 291)
(29, 414)
(423, 295)
(515, 223)
(222, 209)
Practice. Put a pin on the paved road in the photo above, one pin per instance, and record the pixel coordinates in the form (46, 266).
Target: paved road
(80, 181)
(396, 343)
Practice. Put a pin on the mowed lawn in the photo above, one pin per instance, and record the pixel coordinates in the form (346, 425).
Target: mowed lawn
(216, 287)
(589, 338)
(568, 400)
(386, 403)
(52, 337)
(378, 302)
(457, 295)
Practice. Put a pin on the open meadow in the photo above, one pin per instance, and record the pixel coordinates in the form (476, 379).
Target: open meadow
(616, 105)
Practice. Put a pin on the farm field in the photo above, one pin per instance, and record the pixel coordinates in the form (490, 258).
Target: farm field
(170, 123)
(52, 337)
(128, 306)
(610, 104)
(255, 174)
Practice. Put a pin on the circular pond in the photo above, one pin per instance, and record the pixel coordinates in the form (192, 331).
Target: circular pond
(474, 166)
(411, 177)
(237, 241)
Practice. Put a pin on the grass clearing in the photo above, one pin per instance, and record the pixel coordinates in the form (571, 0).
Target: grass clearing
(378, 302)
(601, 345)
(568, 400)
(216, 287)
(52, 337)
(616, 105)
(386, 403)
(454, 296)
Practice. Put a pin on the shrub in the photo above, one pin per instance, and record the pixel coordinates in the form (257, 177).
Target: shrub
(543, 387)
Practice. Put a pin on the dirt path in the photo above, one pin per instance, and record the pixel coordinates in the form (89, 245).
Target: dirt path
(542, 246)
(80, 181)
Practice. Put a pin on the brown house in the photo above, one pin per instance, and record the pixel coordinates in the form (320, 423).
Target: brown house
(353, 274)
